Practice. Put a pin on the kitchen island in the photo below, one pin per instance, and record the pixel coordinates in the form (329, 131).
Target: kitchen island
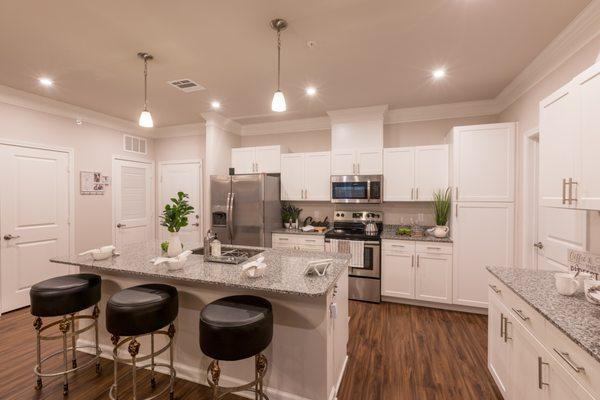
(308, 353)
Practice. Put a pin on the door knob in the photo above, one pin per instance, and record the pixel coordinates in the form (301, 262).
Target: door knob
(121, 225)
(9, 237)
(539, 245)
(196, 224)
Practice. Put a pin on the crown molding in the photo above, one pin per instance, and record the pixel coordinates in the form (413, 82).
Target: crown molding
(215, 119)
(46, 105)
(357, 114)
(442, 111)
(583, 29)
(290, 126)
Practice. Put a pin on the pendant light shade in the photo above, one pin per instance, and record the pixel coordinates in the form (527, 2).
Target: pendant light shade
(145, 120)
(278, 103)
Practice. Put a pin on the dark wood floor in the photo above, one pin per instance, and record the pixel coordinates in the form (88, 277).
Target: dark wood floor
(397, 352)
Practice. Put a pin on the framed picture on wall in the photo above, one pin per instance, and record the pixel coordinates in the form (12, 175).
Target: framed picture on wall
(91, 183)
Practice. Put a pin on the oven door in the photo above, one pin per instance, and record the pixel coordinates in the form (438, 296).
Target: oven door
(372, 262)
(349, 190)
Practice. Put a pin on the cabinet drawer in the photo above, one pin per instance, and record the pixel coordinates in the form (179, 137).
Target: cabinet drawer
(579, 364)
(526, 315)
(498, 288)
(398, 246)
(311, 240)
(434, 248)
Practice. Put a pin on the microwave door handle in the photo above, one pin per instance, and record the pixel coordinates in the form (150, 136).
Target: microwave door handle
(369, 190)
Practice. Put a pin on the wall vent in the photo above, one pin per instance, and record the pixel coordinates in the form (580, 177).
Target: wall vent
(186, 85)
(134, 144)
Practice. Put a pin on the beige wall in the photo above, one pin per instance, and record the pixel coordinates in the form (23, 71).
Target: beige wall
(525, 112)
(93, 148)
(180, 148)
(297, 142)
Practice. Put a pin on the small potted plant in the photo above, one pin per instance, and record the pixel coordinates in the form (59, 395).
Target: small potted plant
(286, 214)
(174, 217)
(295, 215)
(442, 200)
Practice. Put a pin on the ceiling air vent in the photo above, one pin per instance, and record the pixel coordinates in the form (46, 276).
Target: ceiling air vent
(186, 85)
(134, 144)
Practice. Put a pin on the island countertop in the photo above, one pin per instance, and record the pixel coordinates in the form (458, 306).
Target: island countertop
(284, 273)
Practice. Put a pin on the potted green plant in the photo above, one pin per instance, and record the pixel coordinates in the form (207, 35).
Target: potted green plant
(286, 214)
(442, 200)
(174, 217)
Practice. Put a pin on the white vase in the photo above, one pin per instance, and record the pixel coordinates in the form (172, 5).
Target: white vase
(440, 231)
(174, 245)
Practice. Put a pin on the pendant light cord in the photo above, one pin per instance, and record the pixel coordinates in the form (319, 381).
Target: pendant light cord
(145, 84)
(278, 58)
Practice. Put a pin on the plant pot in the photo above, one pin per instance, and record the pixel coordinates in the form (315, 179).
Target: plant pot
(287, 225)
(174, 245)
(441, 231)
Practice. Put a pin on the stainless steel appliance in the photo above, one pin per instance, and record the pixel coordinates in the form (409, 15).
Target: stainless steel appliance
(245, 208)
(356, 188)
(364, 283)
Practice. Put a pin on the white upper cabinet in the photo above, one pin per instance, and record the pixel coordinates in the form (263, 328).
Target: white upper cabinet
(305, 176)
(253, 160)
(357, 162)
(570, 143)
(414, 173)
(483, 162)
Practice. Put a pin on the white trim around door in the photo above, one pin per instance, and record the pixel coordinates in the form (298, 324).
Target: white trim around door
(530, 193)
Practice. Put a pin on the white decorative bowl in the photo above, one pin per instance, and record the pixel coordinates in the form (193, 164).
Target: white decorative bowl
(591, 295)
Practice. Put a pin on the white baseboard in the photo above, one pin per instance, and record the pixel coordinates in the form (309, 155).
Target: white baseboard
(197, 375)
(429, 304)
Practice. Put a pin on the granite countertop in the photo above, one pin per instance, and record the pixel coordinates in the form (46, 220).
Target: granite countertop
(389, 233)
(284, 274)
(572, 315)
(283, 231)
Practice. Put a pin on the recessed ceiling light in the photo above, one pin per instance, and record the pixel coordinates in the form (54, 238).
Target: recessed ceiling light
(215, 104)
(439, 73)
(46, 81)
(311, 91)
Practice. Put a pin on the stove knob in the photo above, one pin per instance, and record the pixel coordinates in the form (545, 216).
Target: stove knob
(337, 214)
(342, 214)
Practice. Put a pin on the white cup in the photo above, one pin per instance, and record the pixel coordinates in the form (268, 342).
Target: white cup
(566, 284)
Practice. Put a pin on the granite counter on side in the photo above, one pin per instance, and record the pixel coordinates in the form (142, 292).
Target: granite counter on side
(284, 231)
(389, 233)
(572, 315)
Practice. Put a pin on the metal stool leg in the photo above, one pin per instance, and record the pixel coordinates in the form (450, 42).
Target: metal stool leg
(115, 341)
(37, 324)
(152, 378)
(171, 334)
(95, 315)
(64, 328)
(73, 341)
(134, 349)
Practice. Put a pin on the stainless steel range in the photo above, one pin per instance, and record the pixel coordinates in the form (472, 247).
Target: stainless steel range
(366, 226)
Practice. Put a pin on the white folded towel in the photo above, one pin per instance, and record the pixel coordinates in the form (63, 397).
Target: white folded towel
(254, 269)
(181, 258)
(357, 250)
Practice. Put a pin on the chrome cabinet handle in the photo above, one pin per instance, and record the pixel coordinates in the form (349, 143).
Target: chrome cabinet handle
(521, 315)
(566, 358)
(10, 237)
(358, 167)
(412, 261)
(495, 288)
(418, 260)
(433, 248)
(417, 194)
(506, 322)
(571, 182)
(564, 191)
(412, 193)
(119, 225)
(501, 325)
(541, 382)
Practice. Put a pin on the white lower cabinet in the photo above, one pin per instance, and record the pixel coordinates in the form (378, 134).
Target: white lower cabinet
(524, 353)
(298, 242)
(416, 271)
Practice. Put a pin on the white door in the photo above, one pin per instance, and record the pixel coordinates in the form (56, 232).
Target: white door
(243, 160)
(399, 173)
(560, 230)
(343, 162)
(561, 385)
(292, 176)
(317, 176)
(397, 274)
(434, 278)
(588, 95)
(268, 159)
(498, 356)
(187, 178)
(559, 135)
(34, 220)
(484, 163)
(483, 236)
(133, 202)
(369, 161)
(524, 352)
(431, 171)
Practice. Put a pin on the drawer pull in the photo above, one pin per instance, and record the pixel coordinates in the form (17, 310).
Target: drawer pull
(283, 239)
(566, 358)
(501, 325)
(398, 245)
(541, 382)
(433, 248)
(506, 322)
(495, 288)
(310, 240)
(521, 315)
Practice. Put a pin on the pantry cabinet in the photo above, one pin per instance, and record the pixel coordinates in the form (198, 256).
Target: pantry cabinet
(253, 160)
(305, 176)
(414, 173)
(357, 162)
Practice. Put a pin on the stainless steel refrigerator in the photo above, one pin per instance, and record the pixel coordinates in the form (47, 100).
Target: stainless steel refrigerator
(245, 208)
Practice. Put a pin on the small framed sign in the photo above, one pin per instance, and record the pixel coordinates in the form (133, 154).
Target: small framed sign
(91, 183)
(580, 260)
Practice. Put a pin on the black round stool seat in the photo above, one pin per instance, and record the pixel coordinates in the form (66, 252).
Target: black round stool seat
(64, 295)
(141, 309)
(236, 327)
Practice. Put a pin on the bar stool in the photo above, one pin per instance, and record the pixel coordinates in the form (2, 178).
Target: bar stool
(234, 328)
(65, 296)
(141, 311)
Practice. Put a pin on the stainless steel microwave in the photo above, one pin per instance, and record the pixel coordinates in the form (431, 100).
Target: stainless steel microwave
(356, 188)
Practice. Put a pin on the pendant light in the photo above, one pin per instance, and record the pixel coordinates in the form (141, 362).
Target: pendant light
(278, 103)
(145, 117)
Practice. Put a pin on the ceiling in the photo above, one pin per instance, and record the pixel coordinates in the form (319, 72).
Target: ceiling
(368, 52)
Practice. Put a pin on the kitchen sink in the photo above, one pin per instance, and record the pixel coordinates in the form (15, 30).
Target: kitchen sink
(230, 254)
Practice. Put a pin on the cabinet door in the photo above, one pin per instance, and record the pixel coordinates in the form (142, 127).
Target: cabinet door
(292, 176)
(398, 177)
(524, 363)
(434, 278)
(588, 95)
(268, 159)
(242, 160)
(431, 171)
(498, 356)
(559, 133)
(317, 176)
(483, 235)
(398, 274)
(343, 162)
(369, 161)
(484, 163)
(561, 385)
